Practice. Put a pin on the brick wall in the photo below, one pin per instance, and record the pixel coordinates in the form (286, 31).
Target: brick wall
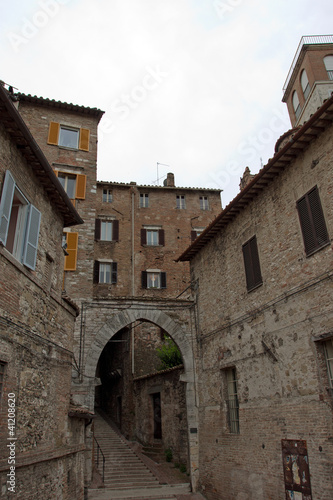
(267, 335)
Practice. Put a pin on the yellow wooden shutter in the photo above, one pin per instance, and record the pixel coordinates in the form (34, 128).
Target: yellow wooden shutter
(53, 133)
(71, 258)
(80, 186)
(84, 139)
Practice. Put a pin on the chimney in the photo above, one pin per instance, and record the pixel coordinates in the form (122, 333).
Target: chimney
(246, 179)
(170, 180)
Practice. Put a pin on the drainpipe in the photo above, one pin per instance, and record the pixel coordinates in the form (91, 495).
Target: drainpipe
(133, 270)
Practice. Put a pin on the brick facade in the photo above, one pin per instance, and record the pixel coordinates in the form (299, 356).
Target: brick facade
(269, 333)
(36, 324)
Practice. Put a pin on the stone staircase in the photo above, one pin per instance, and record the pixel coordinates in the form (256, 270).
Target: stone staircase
(126, 475)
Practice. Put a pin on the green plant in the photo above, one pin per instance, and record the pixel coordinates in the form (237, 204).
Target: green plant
(182, 468)
(168, 454)
(169, 354)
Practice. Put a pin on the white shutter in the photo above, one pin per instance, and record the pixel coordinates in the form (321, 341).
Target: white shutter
(6, 205)
(31, 240)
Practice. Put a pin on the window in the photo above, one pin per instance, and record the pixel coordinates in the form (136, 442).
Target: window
(305, 84)
(232, 401)
(70, 243)
(296, 105)
(252, 264)
(68, 137)
(328, 349)
(2, 376)
(105, 272)
(144, 200)
(73, 184)
(19, 223)
(107, 195)
(106, 230)
(312, 222)
(152, 236)
(328, 61)
(181, 201)
(204, 202)
(195, 233)
(153, 279)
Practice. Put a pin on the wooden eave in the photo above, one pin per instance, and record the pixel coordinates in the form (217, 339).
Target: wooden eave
(318, 122)
(21, 136)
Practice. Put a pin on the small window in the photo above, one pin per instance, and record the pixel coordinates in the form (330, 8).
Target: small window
(69, 137)
(107, 195)
(106, 230)
(144, 200)
(181, 201)
(296, 105)
(252, 264)
(152, 236)
(328, 349)
(204, 203)
(305, 84)
(105, 272)
(195, 233)
(232, 400)
(153, 279)
(328, 61)
(2, 377)
(312, 222)
(73, 184)
(19, 223)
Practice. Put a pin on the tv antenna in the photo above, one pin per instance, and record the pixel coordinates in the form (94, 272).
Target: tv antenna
(164, 165)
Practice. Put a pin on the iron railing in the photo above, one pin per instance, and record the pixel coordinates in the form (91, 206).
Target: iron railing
(99, 449)
(306, 40)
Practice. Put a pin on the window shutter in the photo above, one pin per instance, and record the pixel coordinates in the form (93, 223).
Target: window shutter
(96, 272)
(81, 186)
(97, 229)
(161, 237)
(53, 133)
(312, 221)
(163, 280)
(143, 236)
(144, 279)
(193, 235)
(31, 241)
(6, 205)
(252, 264)
(115, 230)
(114, 272)
(84, 139)
(71, 258)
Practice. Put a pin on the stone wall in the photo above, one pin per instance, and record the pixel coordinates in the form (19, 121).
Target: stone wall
(268, 335)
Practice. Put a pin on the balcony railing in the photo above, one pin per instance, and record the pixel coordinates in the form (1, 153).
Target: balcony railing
(306, 40)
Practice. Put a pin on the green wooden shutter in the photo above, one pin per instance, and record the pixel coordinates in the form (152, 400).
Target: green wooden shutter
(6, 205)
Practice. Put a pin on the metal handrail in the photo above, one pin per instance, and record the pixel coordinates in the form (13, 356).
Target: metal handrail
(99, 449)
(306, 40)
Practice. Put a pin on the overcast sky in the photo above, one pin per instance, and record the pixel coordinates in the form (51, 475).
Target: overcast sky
(192, 84)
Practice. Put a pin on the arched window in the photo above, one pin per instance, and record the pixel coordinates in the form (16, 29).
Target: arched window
(328, 61)
(296, 105)
(305, 84)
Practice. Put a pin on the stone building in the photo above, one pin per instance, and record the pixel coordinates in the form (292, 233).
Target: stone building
(42, 435)
(123, 259)
(263, 271)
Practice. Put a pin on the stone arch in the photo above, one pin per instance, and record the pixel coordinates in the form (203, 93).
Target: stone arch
(125, 318)
(183, 340)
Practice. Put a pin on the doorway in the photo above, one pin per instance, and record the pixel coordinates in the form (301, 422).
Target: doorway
(157, 415)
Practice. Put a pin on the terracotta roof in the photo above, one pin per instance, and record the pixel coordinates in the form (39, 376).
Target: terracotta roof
(52, 103)
(80, 412)
(149, 186)
(21, 135)
(298, 142)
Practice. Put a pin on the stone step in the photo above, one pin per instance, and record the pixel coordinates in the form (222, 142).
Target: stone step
(161, 492)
